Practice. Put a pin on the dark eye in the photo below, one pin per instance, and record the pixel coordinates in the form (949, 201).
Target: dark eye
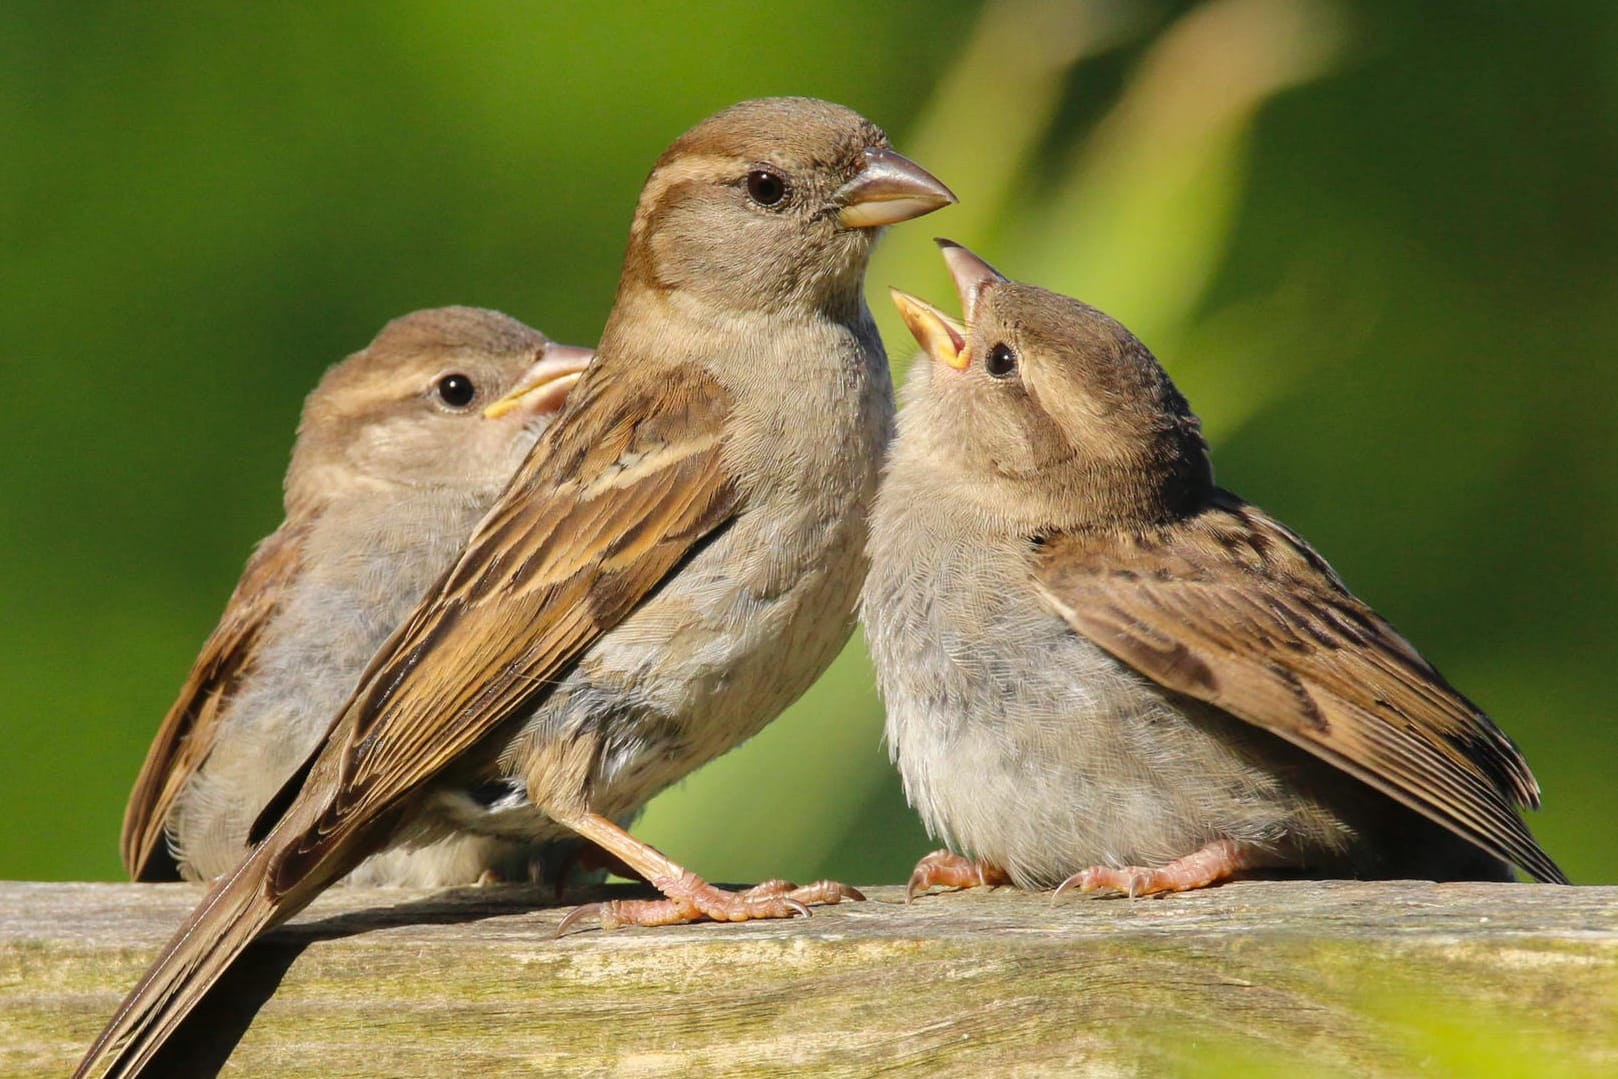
(1001, 361)
(456, 390)
(765, 187)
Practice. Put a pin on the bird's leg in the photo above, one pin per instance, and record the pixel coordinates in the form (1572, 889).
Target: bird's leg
(951, 870)
(690, 898)
(592, 857)
(1218, 861)
(588, 858)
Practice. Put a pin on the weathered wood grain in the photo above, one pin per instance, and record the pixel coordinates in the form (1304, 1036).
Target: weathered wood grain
(1301, 977)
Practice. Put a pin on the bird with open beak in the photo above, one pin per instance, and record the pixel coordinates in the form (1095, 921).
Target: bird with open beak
(1104, 672)
(674, 563)
(400, 450)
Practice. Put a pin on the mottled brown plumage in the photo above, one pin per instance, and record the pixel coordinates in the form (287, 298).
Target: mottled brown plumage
(386, 479)
(1102, 669)
(570, 548)
(187, 733)
(1230, 607)
(675, 562)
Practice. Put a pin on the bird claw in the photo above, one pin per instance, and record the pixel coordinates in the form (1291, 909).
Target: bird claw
(944, 867)
(1133, 881)
(574, 917)
(1218, 861)
(695, 900)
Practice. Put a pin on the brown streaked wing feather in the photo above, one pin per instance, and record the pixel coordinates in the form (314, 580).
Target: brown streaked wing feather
(187, 733)
(1232, 608)
(621, 490)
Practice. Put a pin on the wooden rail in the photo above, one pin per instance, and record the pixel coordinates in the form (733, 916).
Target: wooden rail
(1285, 977)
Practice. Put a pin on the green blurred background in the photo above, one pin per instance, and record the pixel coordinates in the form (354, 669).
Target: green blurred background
(1376, 246)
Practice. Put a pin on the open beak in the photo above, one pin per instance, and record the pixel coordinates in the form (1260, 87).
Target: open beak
(544, 386)
(943, 338)
(972, 275)
(940, 336)
(889, 189)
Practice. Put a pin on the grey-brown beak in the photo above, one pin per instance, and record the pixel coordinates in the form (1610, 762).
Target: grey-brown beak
(972, 275)
(889, 189)
(543, 388)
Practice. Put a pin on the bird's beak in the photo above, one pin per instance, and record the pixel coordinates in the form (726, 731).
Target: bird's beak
(544, 386)
(889, 189)
(940, 336)
(972, 275)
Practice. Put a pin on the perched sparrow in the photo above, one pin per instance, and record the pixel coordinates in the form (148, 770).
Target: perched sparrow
(394, 464)
(675, 562)
(1103, 671)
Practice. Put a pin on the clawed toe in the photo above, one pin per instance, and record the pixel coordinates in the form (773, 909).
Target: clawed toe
(688, 898)
(698, 901)
(1133, 881)
(947, 869)
(1219, 860)
(826, 893)
(577, 915)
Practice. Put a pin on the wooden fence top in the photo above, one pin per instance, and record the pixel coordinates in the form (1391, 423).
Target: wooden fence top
(1303, 977)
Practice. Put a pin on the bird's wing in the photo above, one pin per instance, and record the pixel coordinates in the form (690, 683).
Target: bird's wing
(187, 733)
(618, 492)
(631, 484)
(1232, 608)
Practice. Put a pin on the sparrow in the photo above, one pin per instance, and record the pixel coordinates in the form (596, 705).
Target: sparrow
(394, 463)
(675, 561)
(1102, 671)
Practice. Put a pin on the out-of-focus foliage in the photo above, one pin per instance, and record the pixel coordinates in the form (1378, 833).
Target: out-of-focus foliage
(1375, 243)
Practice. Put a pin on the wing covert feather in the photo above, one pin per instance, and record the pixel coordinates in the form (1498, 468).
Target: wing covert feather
(582, 534)
(186, 735)
(1232, 608)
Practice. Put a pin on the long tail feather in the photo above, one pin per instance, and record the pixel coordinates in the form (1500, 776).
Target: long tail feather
(236, 911)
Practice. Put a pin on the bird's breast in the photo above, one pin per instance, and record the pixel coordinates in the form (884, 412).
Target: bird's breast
(759, 609)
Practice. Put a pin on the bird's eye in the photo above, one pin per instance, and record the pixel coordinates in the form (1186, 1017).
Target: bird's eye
(766, 188)
(1001, 361)
(456, 390)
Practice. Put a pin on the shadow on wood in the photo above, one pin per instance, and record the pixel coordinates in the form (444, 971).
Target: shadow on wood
(1315, 977)
(209, 1035)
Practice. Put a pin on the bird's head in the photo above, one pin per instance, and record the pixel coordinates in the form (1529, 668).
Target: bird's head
(448, 397)
(1048, 403)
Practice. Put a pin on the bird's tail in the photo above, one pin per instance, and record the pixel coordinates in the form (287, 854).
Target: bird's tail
(237, 910)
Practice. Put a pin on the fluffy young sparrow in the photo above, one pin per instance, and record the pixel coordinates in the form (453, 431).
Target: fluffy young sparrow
(394, 463)
(1103, 671)
(674, 563)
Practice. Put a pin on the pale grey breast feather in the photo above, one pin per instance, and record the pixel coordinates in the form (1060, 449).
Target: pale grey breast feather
(332, 622)
(1023, 743)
